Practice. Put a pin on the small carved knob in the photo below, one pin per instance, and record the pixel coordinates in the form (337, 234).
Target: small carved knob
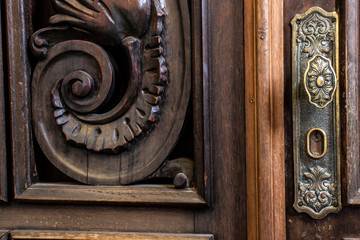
(181, 180)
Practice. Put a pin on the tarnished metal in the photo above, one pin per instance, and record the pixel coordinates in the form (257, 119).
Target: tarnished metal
(315, 67)
(318, 138)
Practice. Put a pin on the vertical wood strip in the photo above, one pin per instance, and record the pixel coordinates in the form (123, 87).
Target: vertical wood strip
(277, 113)
(201, 93)
(252, 199)
(222, 31)
(264, 81)
(17, 19)
(349, 107)
(3, 167)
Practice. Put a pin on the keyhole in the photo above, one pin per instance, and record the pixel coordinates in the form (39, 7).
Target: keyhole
(316, 143)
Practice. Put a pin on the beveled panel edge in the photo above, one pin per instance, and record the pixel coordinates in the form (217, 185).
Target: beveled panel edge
(3, 165)
(3, 234)
(123, 195)
(18, 33)
(68, 235)
(201, 89)
(354, 199)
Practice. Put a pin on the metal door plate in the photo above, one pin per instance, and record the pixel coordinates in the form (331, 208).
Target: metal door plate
(316, 135)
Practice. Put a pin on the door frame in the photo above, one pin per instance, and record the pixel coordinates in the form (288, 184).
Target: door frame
(264, 97)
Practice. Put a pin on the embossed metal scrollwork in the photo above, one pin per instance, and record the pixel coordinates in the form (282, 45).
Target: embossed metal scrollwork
(316, 113)
(103, 71)
(320, 81)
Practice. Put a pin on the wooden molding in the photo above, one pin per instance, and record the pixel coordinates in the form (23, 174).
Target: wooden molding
(264, 96)
(149, 194)
(3, 169)
(66, 235)
(349, 106)
(19, 83)
(3, 234)
(201, 89)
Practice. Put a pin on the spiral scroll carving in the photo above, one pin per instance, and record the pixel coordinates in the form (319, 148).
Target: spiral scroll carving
(111, 87)
(87, 84)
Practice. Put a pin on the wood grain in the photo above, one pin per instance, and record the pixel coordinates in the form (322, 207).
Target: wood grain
(98, 126)
(138, 194)
(100, 218)
(349, 47)
(47, 235)
(3, 234)
(25, 174)
(264, 95)
(3, 160)
(222, 30)
(219, 56)
(18, 33)
(252, 198)
(201, 89)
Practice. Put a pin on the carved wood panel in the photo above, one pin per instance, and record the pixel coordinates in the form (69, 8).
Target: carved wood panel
(105, 93)
(36, 180)
(117, 106)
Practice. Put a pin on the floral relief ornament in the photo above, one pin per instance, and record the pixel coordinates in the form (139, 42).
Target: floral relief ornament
(316, 35)
(317, 192)
(320, 81)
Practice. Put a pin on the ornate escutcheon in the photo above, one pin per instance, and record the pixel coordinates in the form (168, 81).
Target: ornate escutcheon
(111, 87)
(320, 81)
(316, 133)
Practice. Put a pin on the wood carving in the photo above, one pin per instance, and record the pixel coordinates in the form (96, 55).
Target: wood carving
(181, 170)
(99, 86)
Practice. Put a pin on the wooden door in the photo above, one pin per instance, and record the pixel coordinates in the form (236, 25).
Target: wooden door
(124, 120)
(193, 136)
(273, 58)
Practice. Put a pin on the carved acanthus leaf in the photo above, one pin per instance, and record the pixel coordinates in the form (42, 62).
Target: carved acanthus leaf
(317, 192)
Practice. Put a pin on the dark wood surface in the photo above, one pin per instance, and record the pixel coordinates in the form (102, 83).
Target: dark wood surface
(139, 194)
(140, 127)
(3, 234)
(96, 218)
(350, 89)
(225, 69)
(201, 89)
(18, 34)
(3, 159)
(47, 235)
(104, 167)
